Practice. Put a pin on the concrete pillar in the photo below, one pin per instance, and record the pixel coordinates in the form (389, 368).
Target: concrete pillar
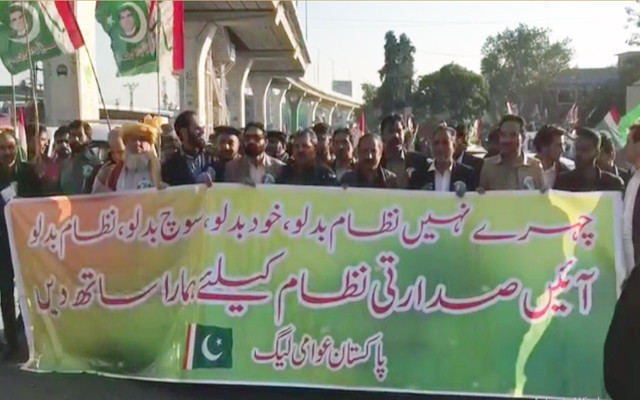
(198, 40)
(237, 82)
(294, 101)
(260, 85)
(349, 115)
(315, 111)
(331, 111)
(282, 101)
(70, 90)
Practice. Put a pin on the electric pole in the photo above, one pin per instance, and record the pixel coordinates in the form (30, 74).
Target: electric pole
(132, 86)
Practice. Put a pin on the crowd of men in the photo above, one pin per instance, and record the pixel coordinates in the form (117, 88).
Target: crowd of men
(316, 156)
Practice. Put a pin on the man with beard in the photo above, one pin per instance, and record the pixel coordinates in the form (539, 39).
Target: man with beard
(323, 150)
(367, 171)
(192, 164)
(254, 166)
(116, 155)
(395, 158)
(226, 148)
(79, 171)
(444, 172)
(588, 177)
(140, 167)
(8, 169)
(512, 169)
(305, 168)
(277, 145)
(342, 147)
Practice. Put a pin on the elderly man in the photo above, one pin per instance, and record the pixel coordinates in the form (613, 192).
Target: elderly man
(512, 169)
(306, 169)
(140, 167)
(444, 173)
(116, 155)
(367, 172)
(254, 166)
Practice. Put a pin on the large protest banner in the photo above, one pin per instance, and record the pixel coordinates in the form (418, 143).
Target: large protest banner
(507, 293)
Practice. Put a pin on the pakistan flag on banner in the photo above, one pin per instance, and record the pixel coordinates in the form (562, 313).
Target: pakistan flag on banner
(22, 22)
(208, 347)
(132, 33)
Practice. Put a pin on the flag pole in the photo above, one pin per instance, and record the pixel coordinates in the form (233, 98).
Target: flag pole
(158, 33)
(34, 76)
(95, 76)
(14, 108)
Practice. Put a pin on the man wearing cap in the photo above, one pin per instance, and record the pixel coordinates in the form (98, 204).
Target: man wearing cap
(254, 166)
(140, 168)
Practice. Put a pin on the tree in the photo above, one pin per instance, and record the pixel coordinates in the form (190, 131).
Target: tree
(519, 63)
(453, 93)
(633, 22)
(371, 106)
(397, 73)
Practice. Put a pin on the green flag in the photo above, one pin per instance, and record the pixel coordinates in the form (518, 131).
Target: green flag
(133, 38)
(208, 347)
(22, 23)
(626, 121)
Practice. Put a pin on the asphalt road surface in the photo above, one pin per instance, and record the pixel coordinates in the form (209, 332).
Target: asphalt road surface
(17, 385)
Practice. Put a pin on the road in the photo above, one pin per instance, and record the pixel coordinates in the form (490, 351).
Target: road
(17, 385)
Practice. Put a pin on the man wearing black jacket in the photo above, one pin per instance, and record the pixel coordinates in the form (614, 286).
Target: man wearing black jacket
(395, 158)
(462, 156)
(305, 169)
(192, 164)
(443, 173)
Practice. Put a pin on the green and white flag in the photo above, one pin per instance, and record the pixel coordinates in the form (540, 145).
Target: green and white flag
(130, 26)
(208, 347)
(49, 28)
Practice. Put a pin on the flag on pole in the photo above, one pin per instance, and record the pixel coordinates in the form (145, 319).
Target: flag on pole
(21, 137)
(627, 120)
(609, 125)
(572, 116)
(133, 38)
(171, 17)
(49, 27)
(140, 29)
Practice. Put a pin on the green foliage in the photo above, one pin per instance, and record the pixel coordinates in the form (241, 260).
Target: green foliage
(452, 93)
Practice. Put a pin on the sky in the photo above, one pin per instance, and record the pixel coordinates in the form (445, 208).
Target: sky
(345, 38)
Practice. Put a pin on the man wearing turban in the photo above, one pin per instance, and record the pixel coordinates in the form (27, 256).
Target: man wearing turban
(140, 168)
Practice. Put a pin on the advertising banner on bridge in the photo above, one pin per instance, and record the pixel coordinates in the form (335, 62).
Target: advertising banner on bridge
(502, 293)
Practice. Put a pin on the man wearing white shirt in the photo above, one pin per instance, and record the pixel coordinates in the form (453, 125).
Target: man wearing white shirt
(443, 172)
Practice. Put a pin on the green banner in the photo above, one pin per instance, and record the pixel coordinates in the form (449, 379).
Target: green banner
(133, 37)
(502, 293)
(23, 22)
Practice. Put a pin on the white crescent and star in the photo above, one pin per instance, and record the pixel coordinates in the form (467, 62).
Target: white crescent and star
(142, 30)
(205, 349)
(35, 23)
